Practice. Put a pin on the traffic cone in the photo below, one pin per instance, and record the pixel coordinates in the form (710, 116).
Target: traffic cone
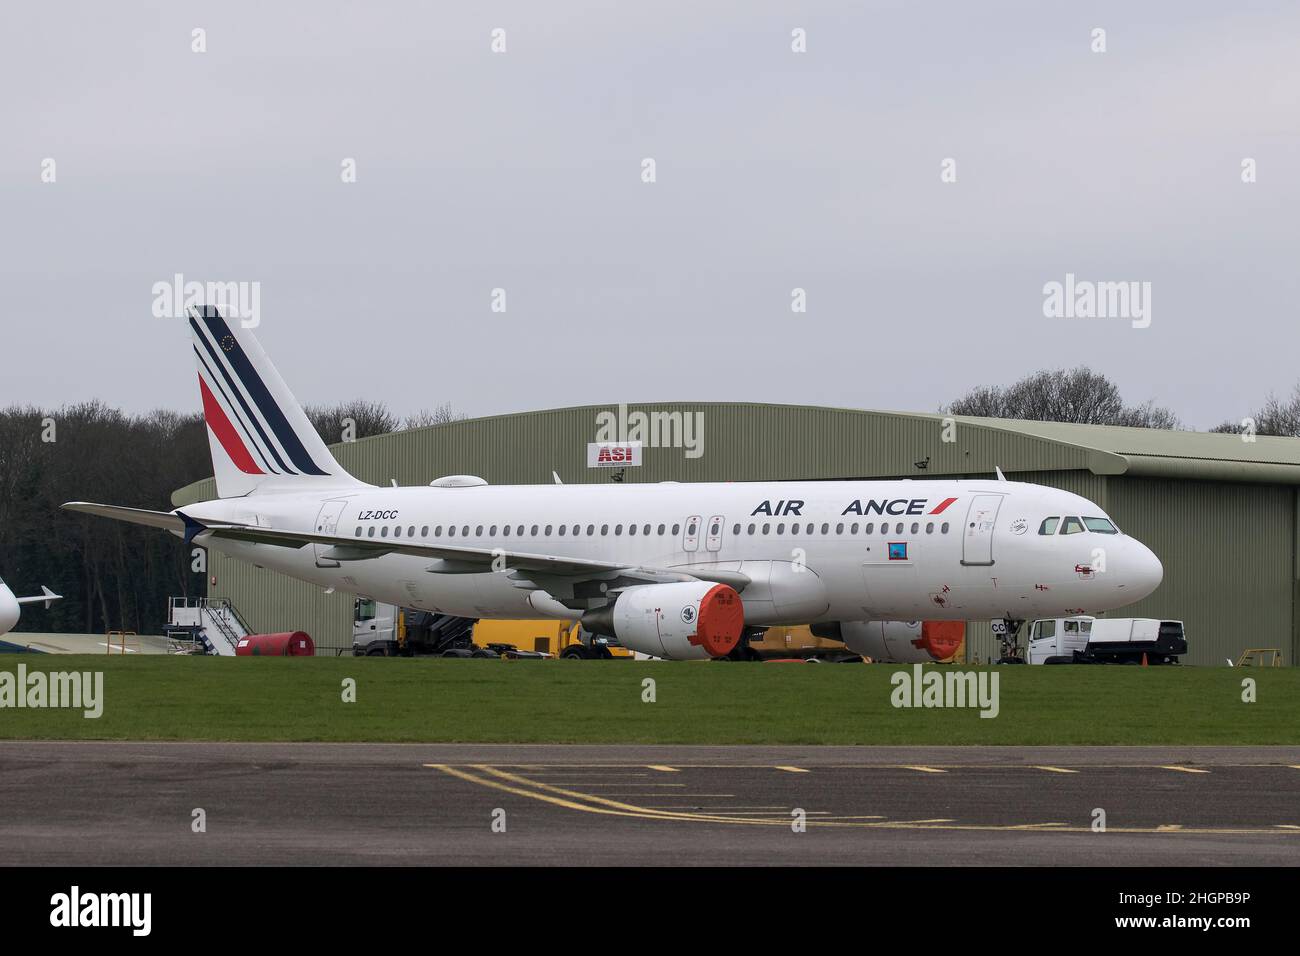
(1144, 658)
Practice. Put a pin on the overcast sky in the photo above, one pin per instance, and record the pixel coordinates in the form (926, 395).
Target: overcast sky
(775, 170)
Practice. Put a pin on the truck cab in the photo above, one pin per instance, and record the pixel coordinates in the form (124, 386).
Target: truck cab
(1059, 640)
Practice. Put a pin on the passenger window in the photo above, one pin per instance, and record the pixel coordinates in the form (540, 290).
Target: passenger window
(853, 528)
(424, 532)
(1049, 526)
(506, 531)
(519, 532)
(358, 531)
(751, 529)
(492, 532)
(1071, 525)
(661, 531)
(383, 532)
(676, 529)
(810, 528)
(780, 528)
(591, 531)
(464, 532)
(410, 532)
(631, 529)
(397, 532)
(478, 532)
(839, 528)
(944, 528)
(870, 528)
(577, 530)
(735, 529)
(604, 530)
(929, 527)
(371, 532)
(534, 531)
(767, 527)
(562, 530)
(899, 528)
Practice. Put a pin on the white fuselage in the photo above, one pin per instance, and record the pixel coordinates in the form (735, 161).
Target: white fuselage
(9, 609)
(813, 551)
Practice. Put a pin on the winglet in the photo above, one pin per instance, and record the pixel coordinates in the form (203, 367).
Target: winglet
(50, 596)
(1001, 477)
(556, 476)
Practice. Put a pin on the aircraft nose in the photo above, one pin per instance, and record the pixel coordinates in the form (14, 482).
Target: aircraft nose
(1147, 572)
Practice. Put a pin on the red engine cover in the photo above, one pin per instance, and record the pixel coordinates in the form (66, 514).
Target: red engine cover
(722, 618)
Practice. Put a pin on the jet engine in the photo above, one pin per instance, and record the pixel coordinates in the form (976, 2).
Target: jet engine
(691, 620)
(897, 642)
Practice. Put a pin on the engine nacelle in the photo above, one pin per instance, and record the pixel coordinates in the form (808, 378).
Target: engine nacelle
(691, 620)
(898, 642)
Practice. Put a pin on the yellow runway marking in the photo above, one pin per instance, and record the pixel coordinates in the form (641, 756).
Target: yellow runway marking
(1056, 769)
(495, 778)
(923, 769)
(1184, 769)
(663, 769)
(791, 769)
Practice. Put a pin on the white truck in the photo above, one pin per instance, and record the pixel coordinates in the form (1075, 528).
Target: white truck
(1096, 640)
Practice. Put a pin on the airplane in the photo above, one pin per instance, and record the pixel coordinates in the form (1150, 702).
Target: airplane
(11, 607)
(677, 571)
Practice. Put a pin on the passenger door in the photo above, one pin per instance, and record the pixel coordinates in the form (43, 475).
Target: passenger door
(977, 536)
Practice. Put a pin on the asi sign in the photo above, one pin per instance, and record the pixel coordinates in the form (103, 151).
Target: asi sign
(625, 454)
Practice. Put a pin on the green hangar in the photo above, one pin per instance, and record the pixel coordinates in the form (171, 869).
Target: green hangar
(1221, 511)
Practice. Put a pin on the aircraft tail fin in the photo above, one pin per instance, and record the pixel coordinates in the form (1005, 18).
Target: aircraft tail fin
(259, 435)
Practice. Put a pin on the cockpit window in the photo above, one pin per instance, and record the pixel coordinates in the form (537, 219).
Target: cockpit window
(1072, 525)
(1049, 526)
(1101, 525)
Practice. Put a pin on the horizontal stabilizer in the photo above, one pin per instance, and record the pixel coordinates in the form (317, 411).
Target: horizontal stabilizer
(47, 596)
(152, 519)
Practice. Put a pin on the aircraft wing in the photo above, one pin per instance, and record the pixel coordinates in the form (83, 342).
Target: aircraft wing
(453, 559)
(563, 577)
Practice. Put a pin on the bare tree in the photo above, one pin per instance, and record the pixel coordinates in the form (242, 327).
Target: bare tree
(1274, 417)
(1063, 395)
(348, 421)
(442, 414)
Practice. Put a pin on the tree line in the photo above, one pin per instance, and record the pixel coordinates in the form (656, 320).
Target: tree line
(112, 575)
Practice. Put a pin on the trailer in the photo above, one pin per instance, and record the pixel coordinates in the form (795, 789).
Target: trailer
(1091, 640)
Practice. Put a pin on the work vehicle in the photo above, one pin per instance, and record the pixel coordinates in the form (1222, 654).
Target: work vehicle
(1089, 640)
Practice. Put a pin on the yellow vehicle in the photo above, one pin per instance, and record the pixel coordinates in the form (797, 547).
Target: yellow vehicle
(560, 638)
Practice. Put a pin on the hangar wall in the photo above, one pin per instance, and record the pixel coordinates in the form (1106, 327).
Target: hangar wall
(1228, 546)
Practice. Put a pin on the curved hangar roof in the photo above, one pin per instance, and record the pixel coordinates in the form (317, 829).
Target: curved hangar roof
(722, 441)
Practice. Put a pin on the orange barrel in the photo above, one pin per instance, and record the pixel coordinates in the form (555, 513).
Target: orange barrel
(288, 644)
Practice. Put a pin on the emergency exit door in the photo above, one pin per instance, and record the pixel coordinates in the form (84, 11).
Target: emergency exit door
(327, 522)
(977, 536)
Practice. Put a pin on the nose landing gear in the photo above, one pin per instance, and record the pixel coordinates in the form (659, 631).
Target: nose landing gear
(1007, 631)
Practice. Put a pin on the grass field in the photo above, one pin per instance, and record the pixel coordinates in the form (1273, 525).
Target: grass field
(287, 699)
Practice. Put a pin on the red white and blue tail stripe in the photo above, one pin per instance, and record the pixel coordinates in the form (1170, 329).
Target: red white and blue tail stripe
(258, 433)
